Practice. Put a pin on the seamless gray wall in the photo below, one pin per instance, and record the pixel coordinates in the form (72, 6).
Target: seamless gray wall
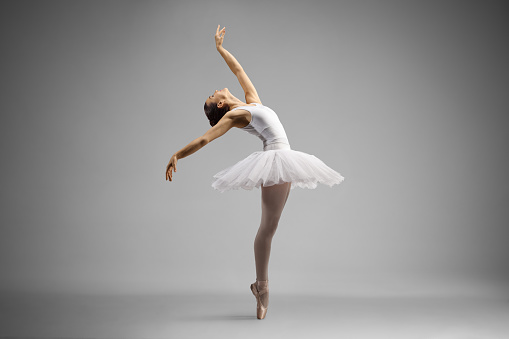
(407, 100)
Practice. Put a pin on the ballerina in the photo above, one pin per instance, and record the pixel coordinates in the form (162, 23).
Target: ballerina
(276, 170)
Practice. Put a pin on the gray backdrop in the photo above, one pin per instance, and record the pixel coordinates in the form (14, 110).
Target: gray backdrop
(406, 99)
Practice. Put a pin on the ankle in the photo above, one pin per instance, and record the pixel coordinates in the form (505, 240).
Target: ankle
(262, 283)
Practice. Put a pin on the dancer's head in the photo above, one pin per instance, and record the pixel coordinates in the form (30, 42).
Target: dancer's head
(216, 107)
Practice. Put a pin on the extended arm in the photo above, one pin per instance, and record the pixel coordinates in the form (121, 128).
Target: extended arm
(214, 132)
(249, 90)
(234, 65)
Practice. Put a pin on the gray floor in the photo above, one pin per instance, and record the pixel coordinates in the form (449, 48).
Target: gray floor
(234, 316)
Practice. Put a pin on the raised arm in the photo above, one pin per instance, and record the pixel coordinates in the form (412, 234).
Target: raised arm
(249, 90)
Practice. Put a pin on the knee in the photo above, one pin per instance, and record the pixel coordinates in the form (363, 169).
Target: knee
(268, 229)
(270, 222)
(264, 237)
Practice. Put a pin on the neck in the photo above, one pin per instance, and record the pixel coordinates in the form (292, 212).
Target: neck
(233, 102)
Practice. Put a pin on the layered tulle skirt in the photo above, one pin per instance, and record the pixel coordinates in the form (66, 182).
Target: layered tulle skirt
(276, 165)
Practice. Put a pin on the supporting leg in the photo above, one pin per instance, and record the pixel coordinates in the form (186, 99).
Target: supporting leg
(273, 201)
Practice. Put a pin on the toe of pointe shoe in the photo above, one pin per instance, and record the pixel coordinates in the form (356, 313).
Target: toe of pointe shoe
(261, 312)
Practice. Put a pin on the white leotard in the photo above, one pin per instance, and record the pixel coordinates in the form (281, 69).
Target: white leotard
(265, 125)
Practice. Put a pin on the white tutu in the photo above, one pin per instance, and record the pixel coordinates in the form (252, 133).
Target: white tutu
(276, 166)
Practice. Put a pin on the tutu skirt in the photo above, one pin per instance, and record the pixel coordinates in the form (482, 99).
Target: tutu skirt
(275, 165)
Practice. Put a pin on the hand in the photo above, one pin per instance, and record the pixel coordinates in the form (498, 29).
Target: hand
(219, 36)
(172, 165)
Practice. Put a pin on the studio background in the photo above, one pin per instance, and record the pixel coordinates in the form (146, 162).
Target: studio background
(407, 100)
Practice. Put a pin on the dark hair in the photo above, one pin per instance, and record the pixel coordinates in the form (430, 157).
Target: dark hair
(214, 114)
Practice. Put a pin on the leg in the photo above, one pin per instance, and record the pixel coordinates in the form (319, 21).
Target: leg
(273, 201)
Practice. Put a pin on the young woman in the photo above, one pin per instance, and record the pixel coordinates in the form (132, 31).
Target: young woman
(276, 169)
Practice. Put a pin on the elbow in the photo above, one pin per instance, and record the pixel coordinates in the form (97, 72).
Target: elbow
(237, 70)
(203, 141)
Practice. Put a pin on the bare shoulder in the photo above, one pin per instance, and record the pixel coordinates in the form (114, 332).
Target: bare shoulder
(253, 99)
(249, 90)
(240, 117)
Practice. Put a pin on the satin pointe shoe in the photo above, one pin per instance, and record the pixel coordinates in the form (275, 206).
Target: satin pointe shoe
(261, 310)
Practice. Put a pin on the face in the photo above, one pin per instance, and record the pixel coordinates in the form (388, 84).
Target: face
(218, 97)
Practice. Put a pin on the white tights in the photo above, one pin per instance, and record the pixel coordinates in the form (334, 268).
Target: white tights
(273, 201)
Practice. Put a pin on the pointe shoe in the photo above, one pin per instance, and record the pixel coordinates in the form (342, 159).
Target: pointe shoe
(261, 310)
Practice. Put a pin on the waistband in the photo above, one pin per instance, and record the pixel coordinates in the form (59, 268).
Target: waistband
(276, 145)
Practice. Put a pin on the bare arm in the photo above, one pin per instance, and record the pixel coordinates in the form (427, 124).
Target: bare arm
(249, 90)
(234, 65)
(214, 132)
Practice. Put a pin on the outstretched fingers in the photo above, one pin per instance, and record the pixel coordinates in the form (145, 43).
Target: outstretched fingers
(171, 167)
(218, 32)
(168, 173)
